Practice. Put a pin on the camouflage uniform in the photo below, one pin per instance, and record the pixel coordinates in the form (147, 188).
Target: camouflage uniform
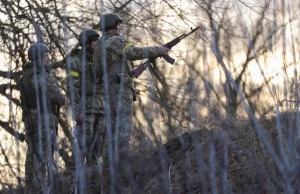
(92, 127)
(40, 125)
(119, 54)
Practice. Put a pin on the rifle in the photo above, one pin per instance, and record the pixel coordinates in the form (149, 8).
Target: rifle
(141, 68)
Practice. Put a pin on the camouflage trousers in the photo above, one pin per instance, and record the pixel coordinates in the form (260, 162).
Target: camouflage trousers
(89, 136)
(39, 164)
(121, 112)
(117, 147)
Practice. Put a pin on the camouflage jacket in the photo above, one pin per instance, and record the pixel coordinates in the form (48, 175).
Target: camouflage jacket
(120, 55)
(92, 85)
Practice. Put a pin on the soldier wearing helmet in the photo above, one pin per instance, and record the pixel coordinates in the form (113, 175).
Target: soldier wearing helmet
(116, 55)
(109, 21)
(40, 99)
(35, 54)
(85, 91)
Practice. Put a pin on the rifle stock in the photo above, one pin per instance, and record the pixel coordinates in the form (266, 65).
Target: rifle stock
(139, 70)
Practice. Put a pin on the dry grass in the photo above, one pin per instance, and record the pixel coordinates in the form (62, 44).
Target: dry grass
(209, 161)
(239, 156)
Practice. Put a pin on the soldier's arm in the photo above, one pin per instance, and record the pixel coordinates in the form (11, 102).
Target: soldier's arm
(54, 92)
(75, 84)
(51, 88)
(121, 46)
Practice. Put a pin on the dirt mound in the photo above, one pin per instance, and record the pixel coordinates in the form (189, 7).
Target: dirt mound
(207, 161)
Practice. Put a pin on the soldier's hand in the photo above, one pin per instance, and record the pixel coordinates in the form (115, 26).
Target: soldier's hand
(58, 100)
(163, 50)
(78, 118)
(62, 100)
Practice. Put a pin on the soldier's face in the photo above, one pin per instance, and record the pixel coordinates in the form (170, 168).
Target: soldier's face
(118, 29)
(93, 44)
(46, 59)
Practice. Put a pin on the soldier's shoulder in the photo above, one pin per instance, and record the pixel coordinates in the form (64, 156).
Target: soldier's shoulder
(46, 76)
(27, 66)
(75, 52)
(115, 39)
(75, 57)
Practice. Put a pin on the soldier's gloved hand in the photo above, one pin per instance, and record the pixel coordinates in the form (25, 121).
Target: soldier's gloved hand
(78, 118)
(62, 100)
(163, 50)
(58, 100)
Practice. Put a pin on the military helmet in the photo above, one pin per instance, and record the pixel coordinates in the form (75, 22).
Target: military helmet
(36, 51)
(86, 35)
(109, 20)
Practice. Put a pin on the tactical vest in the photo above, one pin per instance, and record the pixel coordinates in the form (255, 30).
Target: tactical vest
(114, 69)
(30, 93)
(117, 68)
(90, 82)
(90, 79)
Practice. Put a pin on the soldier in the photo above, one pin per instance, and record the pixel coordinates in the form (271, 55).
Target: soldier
(115, 55)
(86, 96)
(40, 99)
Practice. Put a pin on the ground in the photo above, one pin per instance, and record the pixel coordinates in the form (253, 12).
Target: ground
(207, 161)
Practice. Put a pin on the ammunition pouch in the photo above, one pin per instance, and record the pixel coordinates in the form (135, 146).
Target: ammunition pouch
(115, 78)
(117, 68)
